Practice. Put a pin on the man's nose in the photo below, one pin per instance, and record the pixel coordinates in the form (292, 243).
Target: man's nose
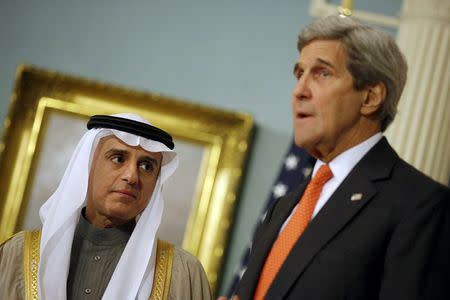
(130, 174)
(302, 89)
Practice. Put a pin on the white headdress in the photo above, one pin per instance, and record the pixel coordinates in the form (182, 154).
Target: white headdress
(133, 275)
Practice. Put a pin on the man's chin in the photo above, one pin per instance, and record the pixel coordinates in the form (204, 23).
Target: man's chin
(304, 142)
(120, 214)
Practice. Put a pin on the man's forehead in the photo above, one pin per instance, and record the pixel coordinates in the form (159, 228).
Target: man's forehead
(110, 142)
(326, 52)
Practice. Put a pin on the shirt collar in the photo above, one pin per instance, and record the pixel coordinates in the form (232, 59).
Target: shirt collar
(103, 236)
(342, 164)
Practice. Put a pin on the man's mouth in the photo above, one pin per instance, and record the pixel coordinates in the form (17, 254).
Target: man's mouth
(302, 115)
(126, 193)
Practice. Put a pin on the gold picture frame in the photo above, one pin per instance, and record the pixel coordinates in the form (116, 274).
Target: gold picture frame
(41, 96)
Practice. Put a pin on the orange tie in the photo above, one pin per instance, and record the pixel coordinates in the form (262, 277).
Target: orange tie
(292, 231)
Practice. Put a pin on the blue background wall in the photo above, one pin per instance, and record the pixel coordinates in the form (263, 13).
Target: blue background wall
(230, 54)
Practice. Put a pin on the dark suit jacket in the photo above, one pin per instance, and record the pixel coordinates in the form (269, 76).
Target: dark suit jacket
(391, 244)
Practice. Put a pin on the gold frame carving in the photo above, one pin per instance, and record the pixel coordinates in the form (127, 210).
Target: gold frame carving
(225, 135)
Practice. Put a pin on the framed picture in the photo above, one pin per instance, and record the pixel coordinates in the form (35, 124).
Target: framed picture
(47, 117)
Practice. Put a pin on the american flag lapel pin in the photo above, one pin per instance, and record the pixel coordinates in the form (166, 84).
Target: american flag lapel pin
(356, 197)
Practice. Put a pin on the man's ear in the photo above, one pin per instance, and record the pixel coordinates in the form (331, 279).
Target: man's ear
(374, 98)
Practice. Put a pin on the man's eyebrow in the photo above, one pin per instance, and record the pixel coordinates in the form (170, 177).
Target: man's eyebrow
(116, 151)
(327, 63)
(149, 158)
(125, 152)
(319, 60)
(296, 67)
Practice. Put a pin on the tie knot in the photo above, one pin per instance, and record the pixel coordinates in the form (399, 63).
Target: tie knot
(323, 175)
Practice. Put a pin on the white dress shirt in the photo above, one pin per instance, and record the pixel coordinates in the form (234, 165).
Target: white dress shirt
(341, 166)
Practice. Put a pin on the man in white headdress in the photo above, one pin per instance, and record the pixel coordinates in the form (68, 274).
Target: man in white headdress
(99, 229)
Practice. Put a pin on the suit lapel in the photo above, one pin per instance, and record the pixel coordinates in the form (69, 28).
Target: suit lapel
(262, 245)
(337, 212)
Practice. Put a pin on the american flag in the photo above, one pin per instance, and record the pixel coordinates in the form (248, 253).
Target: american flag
(296, 167)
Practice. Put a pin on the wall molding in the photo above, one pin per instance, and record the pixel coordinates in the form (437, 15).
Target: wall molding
(321, 8)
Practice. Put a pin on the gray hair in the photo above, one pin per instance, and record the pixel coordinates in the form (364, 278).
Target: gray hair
(373, 57)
